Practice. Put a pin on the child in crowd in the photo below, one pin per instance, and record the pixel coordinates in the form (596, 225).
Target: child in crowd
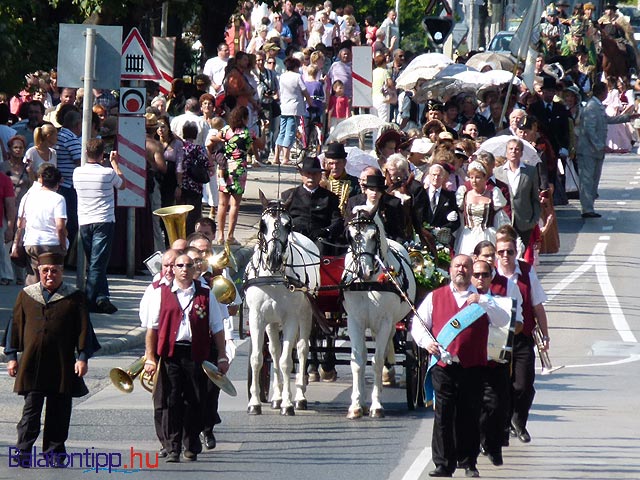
(339, 106)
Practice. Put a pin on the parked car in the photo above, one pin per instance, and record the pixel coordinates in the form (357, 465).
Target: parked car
(500, 42)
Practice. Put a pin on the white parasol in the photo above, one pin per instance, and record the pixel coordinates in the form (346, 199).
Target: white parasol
(355, 126)
(498, 146)
(496, 61)
(426, 66)
(358, 160)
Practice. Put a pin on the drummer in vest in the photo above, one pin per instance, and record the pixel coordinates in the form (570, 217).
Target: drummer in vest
(523, 363)
(375, 199)
(182, 316)
(497, 384)
(459, 318)
(164, 277)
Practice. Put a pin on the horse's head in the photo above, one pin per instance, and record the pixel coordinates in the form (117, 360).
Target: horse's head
(363, 235)
(275, 227)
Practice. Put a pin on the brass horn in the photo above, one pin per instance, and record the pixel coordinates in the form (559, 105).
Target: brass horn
(175, 220)
(223, 289)
(123, 379)
(223, 259)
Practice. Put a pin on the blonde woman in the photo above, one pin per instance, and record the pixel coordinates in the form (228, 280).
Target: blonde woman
(43, 151)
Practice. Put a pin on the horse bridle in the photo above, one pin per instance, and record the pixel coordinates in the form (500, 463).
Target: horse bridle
(356, 250)
(276, 211)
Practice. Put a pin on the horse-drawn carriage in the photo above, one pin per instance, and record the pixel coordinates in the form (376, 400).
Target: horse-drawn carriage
(290, 291)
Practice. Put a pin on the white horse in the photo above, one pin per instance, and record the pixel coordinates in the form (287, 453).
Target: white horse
(372, 301)
(282, 259)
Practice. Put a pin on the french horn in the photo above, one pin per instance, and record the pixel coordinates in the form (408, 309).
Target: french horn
(123, 379)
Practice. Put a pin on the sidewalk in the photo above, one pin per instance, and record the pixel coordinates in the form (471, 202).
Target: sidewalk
(121, 331)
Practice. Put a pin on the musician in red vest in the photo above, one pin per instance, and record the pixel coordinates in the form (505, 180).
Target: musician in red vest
(494, 417)
(178, 333)
(523, 363)
(458, 387)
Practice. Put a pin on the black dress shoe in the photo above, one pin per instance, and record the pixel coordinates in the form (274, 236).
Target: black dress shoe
(162, 453)
(208, 440)
(105, 306)
(495, 458)
(483, 450)
(591, 215)
(524, 436)
(471, 472)
(440, 472)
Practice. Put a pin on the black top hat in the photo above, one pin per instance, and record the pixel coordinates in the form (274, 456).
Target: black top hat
(335, 150)
(526, 122)
(610, 6)
(311, 165)
(548, 83)
(375, 182)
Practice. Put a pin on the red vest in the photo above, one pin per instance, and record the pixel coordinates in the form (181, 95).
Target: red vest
(471, 344)
(171, 316)
(499, 285)
(524, 284)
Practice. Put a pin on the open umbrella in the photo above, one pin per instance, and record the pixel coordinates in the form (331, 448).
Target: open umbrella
(424, 66)
(452, 69)
(498, 146)
(354, 126)
(437, 89)
(500, 77)
(497, 61)
(358, 160)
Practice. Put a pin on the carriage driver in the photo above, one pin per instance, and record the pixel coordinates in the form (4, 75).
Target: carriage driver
(314, 210)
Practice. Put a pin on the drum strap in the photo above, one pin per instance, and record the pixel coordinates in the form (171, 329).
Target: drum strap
(461, 320)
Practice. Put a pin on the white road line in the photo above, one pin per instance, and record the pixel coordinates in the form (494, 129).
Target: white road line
(419, 465)
(629, 359)
(609, 293)
(604, 237)
(621, 203)
(633, 183)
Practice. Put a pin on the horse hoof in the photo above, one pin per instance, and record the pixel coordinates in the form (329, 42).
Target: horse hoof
(275, 404)
(300, 404)
(377, 413)
(254, 410)
(355, 414)
(287, 411)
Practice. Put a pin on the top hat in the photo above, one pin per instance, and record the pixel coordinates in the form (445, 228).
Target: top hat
(375, 182)
(548, 83)
(311, 165)
(335, 150)
(610, 6)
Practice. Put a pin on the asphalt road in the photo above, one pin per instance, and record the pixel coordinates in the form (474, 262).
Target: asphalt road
(584, 421)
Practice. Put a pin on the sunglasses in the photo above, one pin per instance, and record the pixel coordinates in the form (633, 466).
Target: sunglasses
(184, 265)
(271, 63)
(506, 252)
(481, 274)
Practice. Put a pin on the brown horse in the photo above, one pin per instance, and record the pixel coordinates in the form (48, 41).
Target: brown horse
(616, 60)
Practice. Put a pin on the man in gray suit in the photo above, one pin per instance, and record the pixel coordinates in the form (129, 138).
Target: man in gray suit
(592, 138)
(524, 186)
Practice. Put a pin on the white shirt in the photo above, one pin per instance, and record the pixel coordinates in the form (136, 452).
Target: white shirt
(214, 69)
(497, 316)
(94, 185)
(147, 297)
(41, 208)
(513, 177)
(185, 299)
(538, 295)
(203, 127)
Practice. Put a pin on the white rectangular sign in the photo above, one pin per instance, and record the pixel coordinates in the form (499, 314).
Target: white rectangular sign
(131, 152)
(361, 73)
(164, 53)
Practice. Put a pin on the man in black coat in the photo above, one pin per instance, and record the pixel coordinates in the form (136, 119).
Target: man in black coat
(441, 210)
(314, 210)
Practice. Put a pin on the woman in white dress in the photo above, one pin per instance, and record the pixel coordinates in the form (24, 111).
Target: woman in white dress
(43, 151)
(479, 206)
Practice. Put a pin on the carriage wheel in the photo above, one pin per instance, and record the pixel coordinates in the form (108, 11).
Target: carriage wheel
(415, 371)
(265, 372)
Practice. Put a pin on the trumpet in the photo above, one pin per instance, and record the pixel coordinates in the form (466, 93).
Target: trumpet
(545, 360)
(123, 379)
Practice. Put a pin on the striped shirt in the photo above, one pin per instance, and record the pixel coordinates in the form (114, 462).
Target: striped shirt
(69, 151)
(94, 185)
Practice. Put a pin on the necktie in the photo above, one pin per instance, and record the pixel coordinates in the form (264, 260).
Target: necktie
(434, 203)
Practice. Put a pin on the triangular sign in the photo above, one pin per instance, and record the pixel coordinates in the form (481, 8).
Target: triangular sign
(137, 62)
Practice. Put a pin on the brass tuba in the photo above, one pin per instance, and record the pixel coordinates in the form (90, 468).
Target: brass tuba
(223, 259)
(175, 220)
(123, 379)
(223, 289)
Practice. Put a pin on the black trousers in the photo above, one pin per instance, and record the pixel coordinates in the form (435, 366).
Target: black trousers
(212, 396)
(522, 377)
(159, 405)
(56, 421)
(456, 426)
(495, 406)
(183, 394)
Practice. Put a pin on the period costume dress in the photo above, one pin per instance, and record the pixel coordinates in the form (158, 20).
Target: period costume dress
(480, 219)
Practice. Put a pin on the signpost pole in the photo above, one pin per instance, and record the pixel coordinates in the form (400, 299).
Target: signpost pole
(87, 104)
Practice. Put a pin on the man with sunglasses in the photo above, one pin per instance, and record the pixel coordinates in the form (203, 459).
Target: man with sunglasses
(50, 325)
(523, 362)
(183, 320)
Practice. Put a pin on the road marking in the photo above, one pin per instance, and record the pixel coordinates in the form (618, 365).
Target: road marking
(629, 359)
(419, 465)
(599, 261)
(621, 203)
(633, 183)
(604, 237)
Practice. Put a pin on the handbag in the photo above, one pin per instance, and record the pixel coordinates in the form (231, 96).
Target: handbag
(198, 173)
(18, 253)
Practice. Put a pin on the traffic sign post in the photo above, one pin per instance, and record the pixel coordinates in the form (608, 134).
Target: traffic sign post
(132, 101)
(136, 62)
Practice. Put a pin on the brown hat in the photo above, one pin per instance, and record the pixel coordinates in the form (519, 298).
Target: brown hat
(150, 120)
(270, 46)
(50, 258)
